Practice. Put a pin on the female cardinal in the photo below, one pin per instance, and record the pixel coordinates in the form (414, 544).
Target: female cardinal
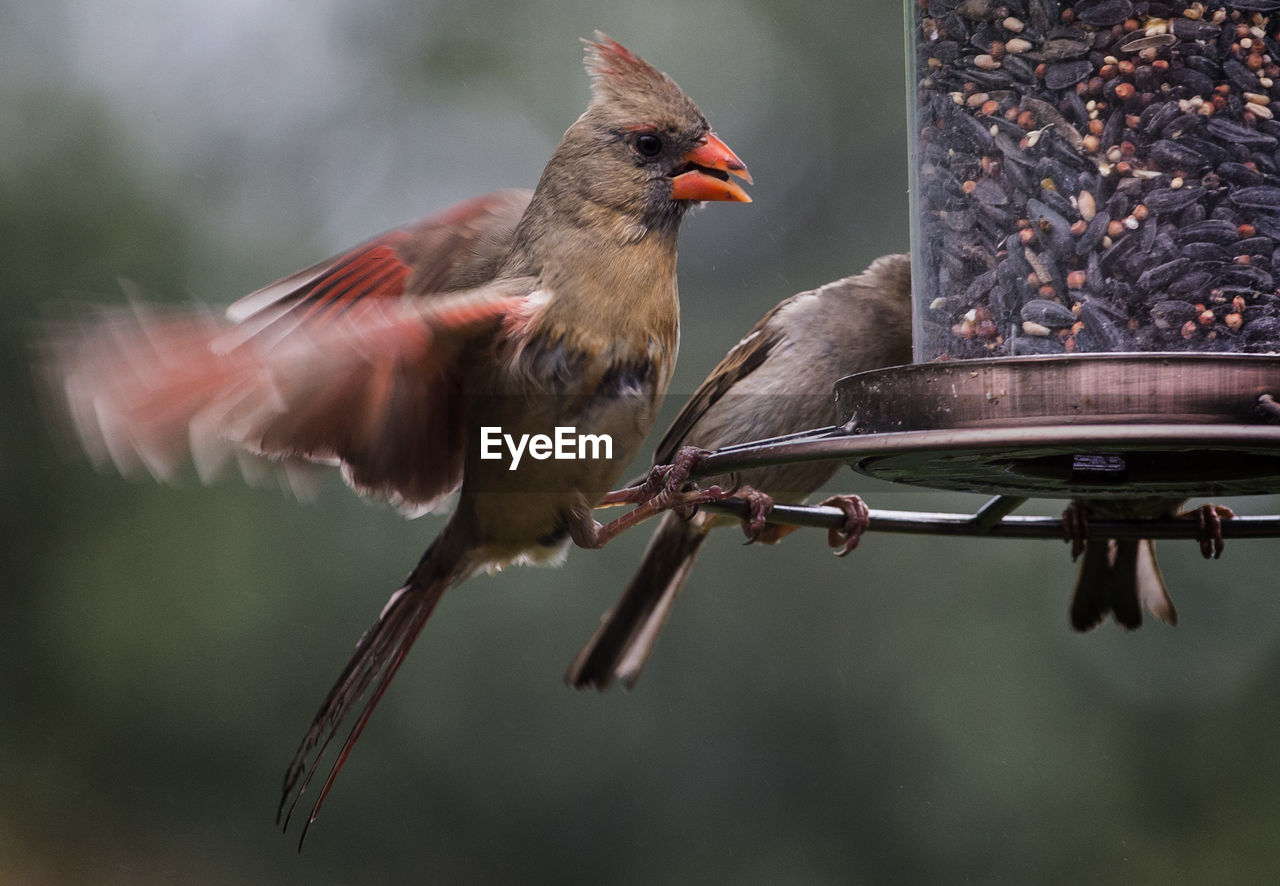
(777, 380)
(512, 314)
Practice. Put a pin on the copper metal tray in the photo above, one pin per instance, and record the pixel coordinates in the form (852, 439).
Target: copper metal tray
(1108, 425)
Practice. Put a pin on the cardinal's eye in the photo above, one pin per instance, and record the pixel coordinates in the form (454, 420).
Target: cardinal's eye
(648, 145)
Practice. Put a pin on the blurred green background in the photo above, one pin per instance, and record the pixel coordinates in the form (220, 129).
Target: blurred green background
(919, 712)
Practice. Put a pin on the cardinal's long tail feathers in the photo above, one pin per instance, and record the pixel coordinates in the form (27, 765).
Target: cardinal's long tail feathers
(366, 676)
(623, 642)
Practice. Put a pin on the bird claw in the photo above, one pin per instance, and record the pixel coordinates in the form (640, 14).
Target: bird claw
(1075, 528)
(1210, 517)
(755, 527)
(662, 490)
(665, 481)
(857, 517)
(685, 503)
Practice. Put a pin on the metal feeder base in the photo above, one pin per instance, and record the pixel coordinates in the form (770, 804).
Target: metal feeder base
(1091, 426)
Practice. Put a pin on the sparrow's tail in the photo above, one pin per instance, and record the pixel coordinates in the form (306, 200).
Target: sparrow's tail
(625, 638)
(1120, 576)
(369, 671)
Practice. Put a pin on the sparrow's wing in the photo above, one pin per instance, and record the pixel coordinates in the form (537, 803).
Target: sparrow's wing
(743, 359)
(376, 387)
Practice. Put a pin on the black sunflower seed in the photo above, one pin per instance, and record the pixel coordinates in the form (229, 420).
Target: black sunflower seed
(1047, 313)
(1164, 200)
(1060, 75)
(1103, 13)
(1259, 197)
(1168, 154)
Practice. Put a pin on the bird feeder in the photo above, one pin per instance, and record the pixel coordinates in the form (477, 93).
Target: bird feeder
(1095, 226)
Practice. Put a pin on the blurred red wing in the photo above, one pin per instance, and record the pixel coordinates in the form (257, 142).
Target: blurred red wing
(353, 360)
(376, 387)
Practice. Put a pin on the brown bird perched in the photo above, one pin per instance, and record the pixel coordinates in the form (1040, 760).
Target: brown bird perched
(411, 359)
(1121, 575)
(775, 381)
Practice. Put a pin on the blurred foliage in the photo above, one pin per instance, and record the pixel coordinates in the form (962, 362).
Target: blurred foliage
(918, 712)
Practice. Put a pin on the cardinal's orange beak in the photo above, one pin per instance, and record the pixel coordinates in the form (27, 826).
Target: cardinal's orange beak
(705, 174)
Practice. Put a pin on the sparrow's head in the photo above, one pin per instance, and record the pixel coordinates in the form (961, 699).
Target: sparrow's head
(642, 146)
